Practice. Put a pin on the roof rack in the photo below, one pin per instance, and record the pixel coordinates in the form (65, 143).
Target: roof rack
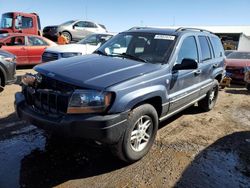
(191, 28)
(137, 28)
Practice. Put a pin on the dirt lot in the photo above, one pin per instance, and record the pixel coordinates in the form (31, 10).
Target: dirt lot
(192, 149)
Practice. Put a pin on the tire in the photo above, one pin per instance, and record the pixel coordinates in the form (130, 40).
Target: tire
(1, 86)
(134, 145)
(67, 35)
(209, 101)
(248, 87)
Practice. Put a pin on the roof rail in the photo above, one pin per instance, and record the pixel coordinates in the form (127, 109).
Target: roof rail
(191, 28)
(137, 28)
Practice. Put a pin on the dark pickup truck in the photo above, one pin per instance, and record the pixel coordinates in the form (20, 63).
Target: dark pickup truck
(7, 69)
(118, 95)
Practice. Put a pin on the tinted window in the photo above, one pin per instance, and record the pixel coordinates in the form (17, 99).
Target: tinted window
(217, 46)
(188, 50)
(90, 24)
(35, 41)
(205, 49)
(15, 41)
(80, 24)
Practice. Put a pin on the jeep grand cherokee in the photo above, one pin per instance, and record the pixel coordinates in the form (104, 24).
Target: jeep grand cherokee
(119, 94)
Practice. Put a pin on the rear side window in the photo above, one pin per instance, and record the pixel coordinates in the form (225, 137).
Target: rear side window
(188, 50)
(205, 49)
(217, 47)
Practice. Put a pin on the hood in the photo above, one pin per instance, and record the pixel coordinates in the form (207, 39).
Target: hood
(68, 48)
(51, 26)
(95, 71)
(237, 62)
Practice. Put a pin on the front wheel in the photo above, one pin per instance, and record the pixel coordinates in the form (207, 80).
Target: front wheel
(248, 86)
(67, 35)
(209, 101)
(139, 136)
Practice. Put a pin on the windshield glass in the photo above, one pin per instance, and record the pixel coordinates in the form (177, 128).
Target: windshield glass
(239, 55)
(7, 20)
(148, 47)
(95, 39)
(68, 22)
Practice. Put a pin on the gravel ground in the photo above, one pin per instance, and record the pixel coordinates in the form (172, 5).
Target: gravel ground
(192, 149)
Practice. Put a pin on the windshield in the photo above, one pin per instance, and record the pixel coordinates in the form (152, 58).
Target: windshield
(239, 55)
(68, 22)
(95, 39)
(147, 47)
(7, 20)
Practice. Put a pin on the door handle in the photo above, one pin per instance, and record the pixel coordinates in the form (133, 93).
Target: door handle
(215, 65)
(197, 72)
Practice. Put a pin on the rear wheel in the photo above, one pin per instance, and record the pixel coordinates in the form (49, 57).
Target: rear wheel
(67, 35)
(248, 87)
(142, 126)
(209, 101)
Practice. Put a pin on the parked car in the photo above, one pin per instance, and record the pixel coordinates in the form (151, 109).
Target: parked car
(7, 69)
(236, 64)
(73, 30)
(27, 48)
(85, 46)
(119, 94)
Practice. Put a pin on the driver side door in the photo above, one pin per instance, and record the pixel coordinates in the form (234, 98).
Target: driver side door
(184, 83)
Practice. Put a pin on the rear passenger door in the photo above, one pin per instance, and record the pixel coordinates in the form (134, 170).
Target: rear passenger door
(206, 63)
(184, 87)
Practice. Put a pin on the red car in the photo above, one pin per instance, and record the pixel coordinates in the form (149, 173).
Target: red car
(236, 64)
(27, 48)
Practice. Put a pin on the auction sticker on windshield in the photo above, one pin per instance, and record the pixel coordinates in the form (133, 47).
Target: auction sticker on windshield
(164, 37)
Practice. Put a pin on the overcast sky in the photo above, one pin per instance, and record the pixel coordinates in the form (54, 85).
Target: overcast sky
(122, 15)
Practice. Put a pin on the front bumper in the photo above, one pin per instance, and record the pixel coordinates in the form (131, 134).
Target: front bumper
(103, 128)
(51, 35)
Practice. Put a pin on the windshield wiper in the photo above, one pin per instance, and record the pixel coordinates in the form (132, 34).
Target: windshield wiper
(99, 52)
(131, 57)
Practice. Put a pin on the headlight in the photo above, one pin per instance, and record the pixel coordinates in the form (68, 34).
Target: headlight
(88, 101)
(9, 59)
(66, 55)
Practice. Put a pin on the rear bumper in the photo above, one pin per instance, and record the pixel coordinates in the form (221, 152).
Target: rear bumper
(103, 128)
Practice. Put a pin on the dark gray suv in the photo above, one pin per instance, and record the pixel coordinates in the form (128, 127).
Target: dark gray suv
(7, 69)
(119, 94)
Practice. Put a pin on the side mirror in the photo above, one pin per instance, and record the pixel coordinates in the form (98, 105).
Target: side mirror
(74, 26)
(186, 64)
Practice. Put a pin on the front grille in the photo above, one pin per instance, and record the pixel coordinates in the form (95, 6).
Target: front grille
(46, 100)
(49, 97)
(49, 56)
